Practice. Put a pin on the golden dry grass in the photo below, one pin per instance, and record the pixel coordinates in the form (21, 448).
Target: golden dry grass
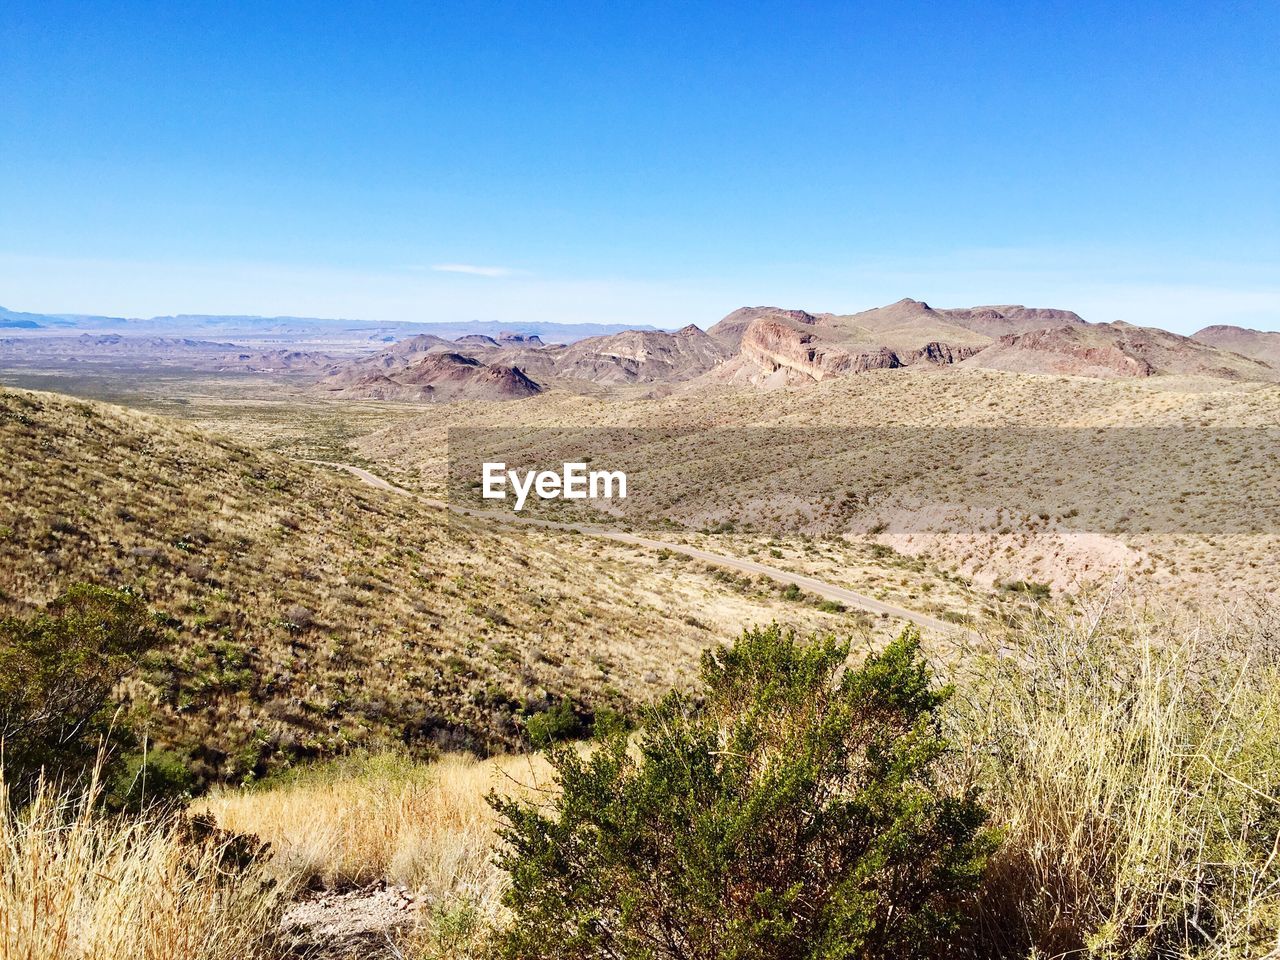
(382, 816)
(1134, 769)
(78, 885)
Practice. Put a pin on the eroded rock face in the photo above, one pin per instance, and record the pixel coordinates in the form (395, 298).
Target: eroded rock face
(941, 354)
(1045, 351)
(729, 331)
(638, 356)
(771, 344)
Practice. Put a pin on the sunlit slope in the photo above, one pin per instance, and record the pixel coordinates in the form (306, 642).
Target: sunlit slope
(306, 611)
(1200, 531)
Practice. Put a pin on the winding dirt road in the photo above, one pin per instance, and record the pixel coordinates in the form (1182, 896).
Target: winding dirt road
(820, 588)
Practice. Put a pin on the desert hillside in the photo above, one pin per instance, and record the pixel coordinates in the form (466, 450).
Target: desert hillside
(894, 455)
(1261, 345)
(1119, 350)
(307, 613)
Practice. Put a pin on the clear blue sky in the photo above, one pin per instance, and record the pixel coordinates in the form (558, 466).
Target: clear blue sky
(639, 161)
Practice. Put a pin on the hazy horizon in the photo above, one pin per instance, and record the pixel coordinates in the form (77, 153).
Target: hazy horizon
(658, 164)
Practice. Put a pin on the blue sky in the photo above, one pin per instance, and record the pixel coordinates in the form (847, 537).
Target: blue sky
(640, 162)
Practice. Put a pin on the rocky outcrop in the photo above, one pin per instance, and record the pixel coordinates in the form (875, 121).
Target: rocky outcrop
(1116, 350)
(772, 344)
(508, 338)
(729, 331)
(436, 378)
(641, 356)
(941, 354)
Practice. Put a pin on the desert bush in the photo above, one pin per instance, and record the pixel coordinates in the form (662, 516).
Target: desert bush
(1135, 768)
(76, 884)
(57, 672)
(151, 776)
(555, 724)
(792, 812)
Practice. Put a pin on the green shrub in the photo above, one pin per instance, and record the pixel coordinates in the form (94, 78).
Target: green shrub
(554, 725)
(155, 775)
(792, 592)
(57, 671)
(791, 811)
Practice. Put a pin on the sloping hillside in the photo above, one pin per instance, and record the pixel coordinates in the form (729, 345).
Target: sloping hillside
(1261, 345)
(1117, 350)
(432, 377)
(641, 356)
(306, 612)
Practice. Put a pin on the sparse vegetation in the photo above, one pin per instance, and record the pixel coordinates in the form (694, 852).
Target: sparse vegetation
(1129, 767)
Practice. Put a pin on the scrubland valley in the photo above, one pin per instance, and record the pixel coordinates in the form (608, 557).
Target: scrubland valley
(256, 707)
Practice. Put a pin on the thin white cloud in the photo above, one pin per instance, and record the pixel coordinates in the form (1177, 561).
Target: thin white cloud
(473, 270)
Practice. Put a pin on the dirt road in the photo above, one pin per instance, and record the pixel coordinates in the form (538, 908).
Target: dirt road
(821, 588)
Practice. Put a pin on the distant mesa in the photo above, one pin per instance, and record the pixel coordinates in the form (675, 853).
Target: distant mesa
(477, 339)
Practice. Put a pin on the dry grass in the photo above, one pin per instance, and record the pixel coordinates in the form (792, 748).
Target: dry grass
(78, 885)
(1135, 772)
(366, 818)
(927, 477)
(309, 615)
(1133, 768)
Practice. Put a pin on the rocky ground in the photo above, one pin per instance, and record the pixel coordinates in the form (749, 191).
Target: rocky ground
(359, 923)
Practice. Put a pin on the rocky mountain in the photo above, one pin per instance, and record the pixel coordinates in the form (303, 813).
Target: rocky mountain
(403, 371)
(642, 356)
(1116, 350)
(1003, 320)
(436, 377)
(772, 346)
(730, 330)
(775, 346)
(1259, 344)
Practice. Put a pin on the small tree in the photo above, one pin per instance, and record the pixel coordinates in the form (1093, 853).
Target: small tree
(57, 672)
(791, 812)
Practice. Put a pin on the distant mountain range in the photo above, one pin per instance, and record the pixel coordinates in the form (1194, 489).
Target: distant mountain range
(294, 329)
(773, 347)
(760, 347)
